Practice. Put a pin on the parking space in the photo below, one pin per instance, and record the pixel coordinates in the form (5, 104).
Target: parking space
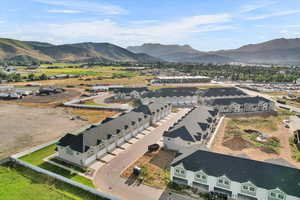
(107, 158)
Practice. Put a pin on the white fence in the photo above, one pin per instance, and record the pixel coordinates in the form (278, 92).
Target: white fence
(215, 133)
(15, 158)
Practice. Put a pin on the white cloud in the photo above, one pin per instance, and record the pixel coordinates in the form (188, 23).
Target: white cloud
(64, 11)
(86, 6)
(106, 30)
(2, 21)
(274, 14)
(256, 6)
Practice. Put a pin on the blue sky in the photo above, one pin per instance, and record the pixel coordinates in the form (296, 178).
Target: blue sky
(203, 24)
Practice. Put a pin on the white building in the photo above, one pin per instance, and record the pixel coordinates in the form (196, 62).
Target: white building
(180, 79)
(236, 177)
(196, 127)
(178, 97)
(93, 143)
(243, 105)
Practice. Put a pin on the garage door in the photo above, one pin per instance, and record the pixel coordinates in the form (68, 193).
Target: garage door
(200, 186)
(180, 181)
(101, 153)
(120, 141)
(128, 136)
(245, 197)
(111, 147)
(222, 191)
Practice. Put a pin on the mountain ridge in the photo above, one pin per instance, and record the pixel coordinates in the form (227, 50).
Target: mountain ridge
(24, 51)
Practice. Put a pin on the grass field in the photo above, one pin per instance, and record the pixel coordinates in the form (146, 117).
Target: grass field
(19, 183)
(36, 158)
(95, 71)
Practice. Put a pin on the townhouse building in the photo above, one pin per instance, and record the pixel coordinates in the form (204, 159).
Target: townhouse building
(196, 127)
(125, 93)
(178, 97)
(243, 105)
(236, 177)
(96, 141)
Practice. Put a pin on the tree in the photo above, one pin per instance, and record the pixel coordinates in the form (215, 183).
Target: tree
(43, 77)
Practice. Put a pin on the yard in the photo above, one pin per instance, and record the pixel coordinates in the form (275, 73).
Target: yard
(36, 158)
(19, 183)
(258, 137)
(35, 126)
(154, 167)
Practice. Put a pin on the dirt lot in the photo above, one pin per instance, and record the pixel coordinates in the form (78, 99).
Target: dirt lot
(92, 116)
(22, 127)
(234, 145)
(155, 167)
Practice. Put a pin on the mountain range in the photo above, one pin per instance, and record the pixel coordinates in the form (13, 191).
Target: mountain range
(28, 51)
(278, 51)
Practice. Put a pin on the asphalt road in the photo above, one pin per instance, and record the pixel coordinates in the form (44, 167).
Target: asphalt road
(107, 178)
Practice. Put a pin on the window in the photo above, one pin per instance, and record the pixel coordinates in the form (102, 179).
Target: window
(180, 172)
(223, 182)
(201, 177)
(248, 188)
(276, 195)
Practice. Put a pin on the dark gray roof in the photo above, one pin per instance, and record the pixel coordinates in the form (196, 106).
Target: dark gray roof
(193, 125)
(262, 174)
(96, 134)
(219, 92)
(129, 89)
(173, 92)
(243, 100)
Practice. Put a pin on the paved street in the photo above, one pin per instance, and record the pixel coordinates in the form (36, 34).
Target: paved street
(107, 178)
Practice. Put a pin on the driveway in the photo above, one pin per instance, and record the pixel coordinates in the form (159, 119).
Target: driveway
(107, 179)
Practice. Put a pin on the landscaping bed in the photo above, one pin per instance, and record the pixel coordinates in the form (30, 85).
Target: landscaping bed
(154, 168)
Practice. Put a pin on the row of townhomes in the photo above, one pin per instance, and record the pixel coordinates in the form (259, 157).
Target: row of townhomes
(220, 93)
(180, 79)
(236, 177)
(125, 93)
(93, 143)
(196, 127)
(243, 105)
(178, 97)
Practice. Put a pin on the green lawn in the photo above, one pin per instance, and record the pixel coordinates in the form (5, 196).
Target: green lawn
(36, 158)
(19, 183)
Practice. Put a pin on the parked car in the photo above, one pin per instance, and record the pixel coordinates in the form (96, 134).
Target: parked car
(153, 147)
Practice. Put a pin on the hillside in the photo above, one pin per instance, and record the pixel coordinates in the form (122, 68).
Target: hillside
(178, 53)
(23, 51)
(278, 51)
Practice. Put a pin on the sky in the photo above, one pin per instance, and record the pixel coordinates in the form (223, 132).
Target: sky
(203, 24)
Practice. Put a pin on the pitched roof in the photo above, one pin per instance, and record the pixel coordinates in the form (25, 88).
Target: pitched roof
(172, 92)
(96, 134)
(193, 125)
(262, 174)
(243, 100)
(129, 89)
(219, 92)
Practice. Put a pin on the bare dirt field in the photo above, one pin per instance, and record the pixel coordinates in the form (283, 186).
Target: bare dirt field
(92, 116)
(22, 127)
(236, 145)
(154, 168)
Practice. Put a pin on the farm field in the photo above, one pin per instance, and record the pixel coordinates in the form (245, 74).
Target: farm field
(238, 136)
(36, 125)
(19, 183)
(131, 81)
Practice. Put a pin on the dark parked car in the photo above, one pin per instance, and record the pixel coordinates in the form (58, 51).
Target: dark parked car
(153, 147)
